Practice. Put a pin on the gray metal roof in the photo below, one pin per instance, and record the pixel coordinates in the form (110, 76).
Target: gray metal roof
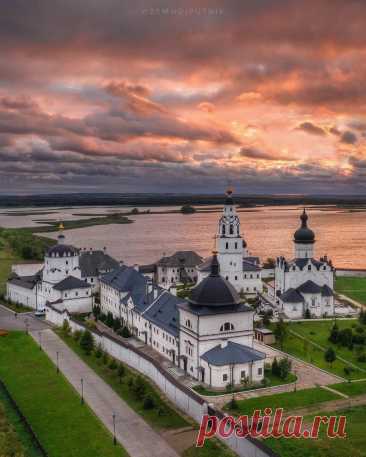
(164, 313)
(181, 259)
(92, 263)
(326, 291)
(232, 354)
(27, 282)
(209, 310)
(70, 283)
(250, 266)
(292, 296)
(309, 287)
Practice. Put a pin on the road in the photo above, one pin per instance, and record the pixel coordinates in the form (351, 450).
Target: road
(8, 321)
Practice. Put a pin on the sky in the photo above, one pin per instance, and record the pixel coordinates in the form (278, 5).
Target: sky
(183, 96)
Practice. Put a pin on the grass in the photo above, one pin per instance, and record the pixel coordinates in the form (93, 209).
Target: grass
(353, 445)
(13, 432)
(351, 388)
(211, 448)
(169, 420)
(318, 332)
(286, 400)
(354, 288)
(62, 424)
(273, 381)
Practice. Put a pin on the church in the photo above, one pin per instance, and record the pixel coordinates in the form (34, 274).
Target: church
(304, 284)
(209, 335)
(237, 266)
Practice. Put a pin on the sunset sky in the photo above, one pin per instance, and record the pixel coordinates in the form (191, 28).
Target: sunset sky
(129, 96)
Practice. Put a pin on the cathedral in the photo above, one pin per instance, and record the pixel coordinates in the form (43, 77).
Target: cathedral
(236, 265)
(304, 285)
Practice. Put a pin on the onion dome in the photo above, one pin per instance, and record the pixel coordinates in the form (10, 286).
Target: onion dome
(61, 249)
(304, 235)
(214, 291)
(229, 197)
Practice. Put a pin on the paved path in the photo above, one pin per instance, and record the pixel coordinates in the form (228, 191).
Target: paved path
(8, 321)
(138, 438)
(307, 376)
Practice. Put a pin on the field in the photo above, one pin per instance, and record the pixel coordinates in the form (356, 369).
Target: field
(286, 400)
(353, 445)
(62, 424)
(352, 287)
(351, 388)
(318, 333)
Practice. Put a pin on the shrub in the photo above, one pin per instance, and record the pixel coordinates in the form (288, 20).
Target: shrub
(99, 351)
(110, 320)
(125, 333)
(130, 382)
(87, 342)
(116, 325)
(105, 358)
(149, 402)
(77, 335)
(265, 382)
(233, 404)
(66, 327)
(361, 358)
(139, 387)
(91, 324)
(348, 370)
(113, 364)
(121, 372)
(275, 368)
(330, 356)
(162, 411)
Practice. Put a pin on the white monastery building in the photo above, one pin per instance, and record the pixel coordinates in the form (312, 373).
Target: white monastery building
(236, 265)
(67, 279)
(304, 282)
(210, 336)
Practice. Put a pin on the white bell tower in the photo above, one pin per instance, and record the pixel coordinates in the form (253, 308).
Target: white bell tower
(230, 246)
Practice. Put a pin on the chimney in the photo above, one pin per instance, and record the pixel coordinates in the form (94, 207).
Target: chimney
(224, 343)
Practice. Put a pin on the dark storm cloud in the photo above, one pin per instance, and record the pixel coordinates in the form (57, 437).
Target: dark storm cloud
(349, 137)
(311, 128)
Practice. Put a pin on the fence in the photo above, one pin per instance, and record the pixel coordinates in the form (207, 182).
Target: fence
(184, 398)
(24, 420)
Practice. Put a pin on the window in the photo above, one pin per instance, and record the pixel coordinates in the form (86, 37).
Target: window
(227, 278)
(231, 229)
(242, 374)
(309, 267)
(227, 245)
(236, 278)
(224, 377)
(236, 245)
(188, 323)
(226, 327)
(260, 371)
(223, 230)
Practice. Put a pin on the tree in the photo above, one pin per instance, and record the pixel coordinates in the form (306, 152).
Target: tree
(345, 337)
(125, 333)
(284, 368)
(275, 368)
(149, 402)
(330, 356)
(120, 372)
(87, 342)
(139, 387)
(99, 351)
(187, 209)
(334, 334)
(280, 332)
(66, 329)
(96, 312)
(113, 364)
(109, 321)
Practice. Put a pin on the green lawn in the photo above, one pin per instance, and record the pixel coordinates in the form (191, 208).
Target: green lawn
(352, 287)
(273, 381)
(62, 424)
(354, 445)
(318, 332)
(286, 400)
(170, 418)
(351, 388)
(15, 439)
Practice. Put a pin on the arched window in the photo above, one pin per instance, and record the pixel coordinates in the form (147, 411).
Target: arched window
(227, 245)
(223, 230)
(188, 323)
(226, 327)
(231, 229)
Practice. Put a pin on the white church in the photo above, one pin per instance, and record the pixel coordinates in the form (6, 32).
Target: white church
(209, 336)
(236, 264)
(304, 283)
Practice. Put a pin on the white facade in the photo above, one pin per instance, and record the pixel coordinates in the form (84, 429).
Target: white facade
(304, 283)
(236, 265)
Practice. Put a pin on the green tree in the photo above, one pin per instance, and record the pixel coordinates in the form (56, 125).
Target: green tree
(280, 332)
(330, 356)
(275, 368)
(87, 342)
(120, 372)
(284, 368)
(149, 402)
(110, 320)
(334, 334)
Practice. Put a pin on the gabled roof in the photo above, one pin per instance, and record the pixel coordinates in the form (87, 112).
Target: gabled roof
(181, 259)
(92, 263)
(326, 291)
(71, 283)
(250, 266)
(309, 287)
(291, 296)
(164, 312)
(124, 279)
(27, 282)
(232, 353)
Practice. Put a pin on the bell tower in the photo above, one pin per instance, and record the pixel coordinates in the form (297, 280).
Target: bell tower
(230, 245)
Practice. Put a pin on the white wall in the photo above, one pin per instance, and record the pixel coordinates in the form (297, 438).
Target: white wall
(26, 269)
(21, 295)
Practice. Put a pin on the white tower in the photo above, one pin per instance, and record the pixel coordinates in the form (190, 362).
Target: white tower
(304, 239)
(230, 245)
